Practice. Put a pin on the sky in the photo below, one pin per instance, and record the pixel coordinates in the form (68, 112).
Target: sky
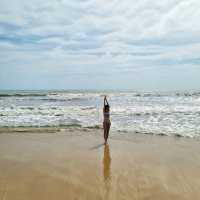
(100, 44)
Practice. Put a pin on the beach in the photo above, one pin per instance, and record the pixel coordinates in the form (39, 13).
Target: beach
(74, 164)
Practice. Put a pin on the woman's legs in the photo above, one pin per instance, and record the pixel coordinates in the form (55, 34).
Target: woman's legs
(107, 131)
(106, 127)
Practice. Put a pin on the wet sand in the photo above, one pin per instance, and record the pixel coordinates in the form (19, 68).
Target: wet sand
(76, 165)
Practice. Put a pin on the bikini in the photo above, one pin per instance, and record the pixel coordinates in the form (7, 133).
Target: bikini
(107, 117)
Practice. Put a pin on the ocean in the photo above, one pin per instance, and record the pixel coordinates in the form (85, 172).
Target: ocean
(162, 113)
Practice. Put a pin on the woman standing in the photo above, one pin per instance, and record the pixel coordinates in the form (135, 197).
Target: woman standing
(106, 121)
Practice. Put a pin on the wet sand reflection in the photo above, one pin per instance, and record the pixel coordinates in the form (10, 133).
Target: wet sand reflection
(107, 170)
(106, 163)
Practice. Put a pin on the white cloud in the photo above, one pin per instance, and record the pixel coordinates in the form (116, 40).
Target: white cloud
(129, 33)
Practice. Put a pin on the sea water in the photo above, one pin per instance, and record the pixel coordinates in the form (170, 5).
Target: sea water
(165, 113)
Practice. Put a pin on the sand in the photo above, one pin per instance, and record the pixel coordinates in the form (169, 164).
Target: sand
(76, 165)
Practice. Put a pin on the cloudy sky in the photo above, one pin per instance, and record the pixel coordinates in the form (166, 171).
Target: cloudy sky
(100, 44)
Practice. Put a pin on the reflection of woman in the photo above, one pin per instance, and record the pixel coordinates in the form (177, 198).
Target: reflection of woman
(106, 162)
(106, 121)
(107, 171)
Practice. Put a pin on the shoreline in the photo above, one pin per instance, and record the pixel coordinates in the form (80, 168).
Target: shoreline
(95, 131)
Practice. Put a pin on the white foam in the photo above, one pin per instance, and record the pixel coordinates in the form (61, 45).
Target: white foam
(170, 115)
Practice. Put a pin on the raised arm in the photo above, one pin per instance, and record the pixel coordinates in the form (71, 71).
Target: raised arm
(105, 101)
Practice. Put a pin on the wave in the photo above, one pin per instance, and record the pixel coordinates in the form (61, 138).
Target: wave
(60, 99)
(65, 96)
(167, 94)
(161, 134)
(73, 127)
(88, 108)
(47, 128)
(26, 108)
(94, 127)
(164, 113)
(53, 100)
(23, 95)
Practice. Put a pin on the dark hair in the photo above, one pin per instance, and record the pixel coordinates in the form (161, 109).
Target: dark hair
(106, 107)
